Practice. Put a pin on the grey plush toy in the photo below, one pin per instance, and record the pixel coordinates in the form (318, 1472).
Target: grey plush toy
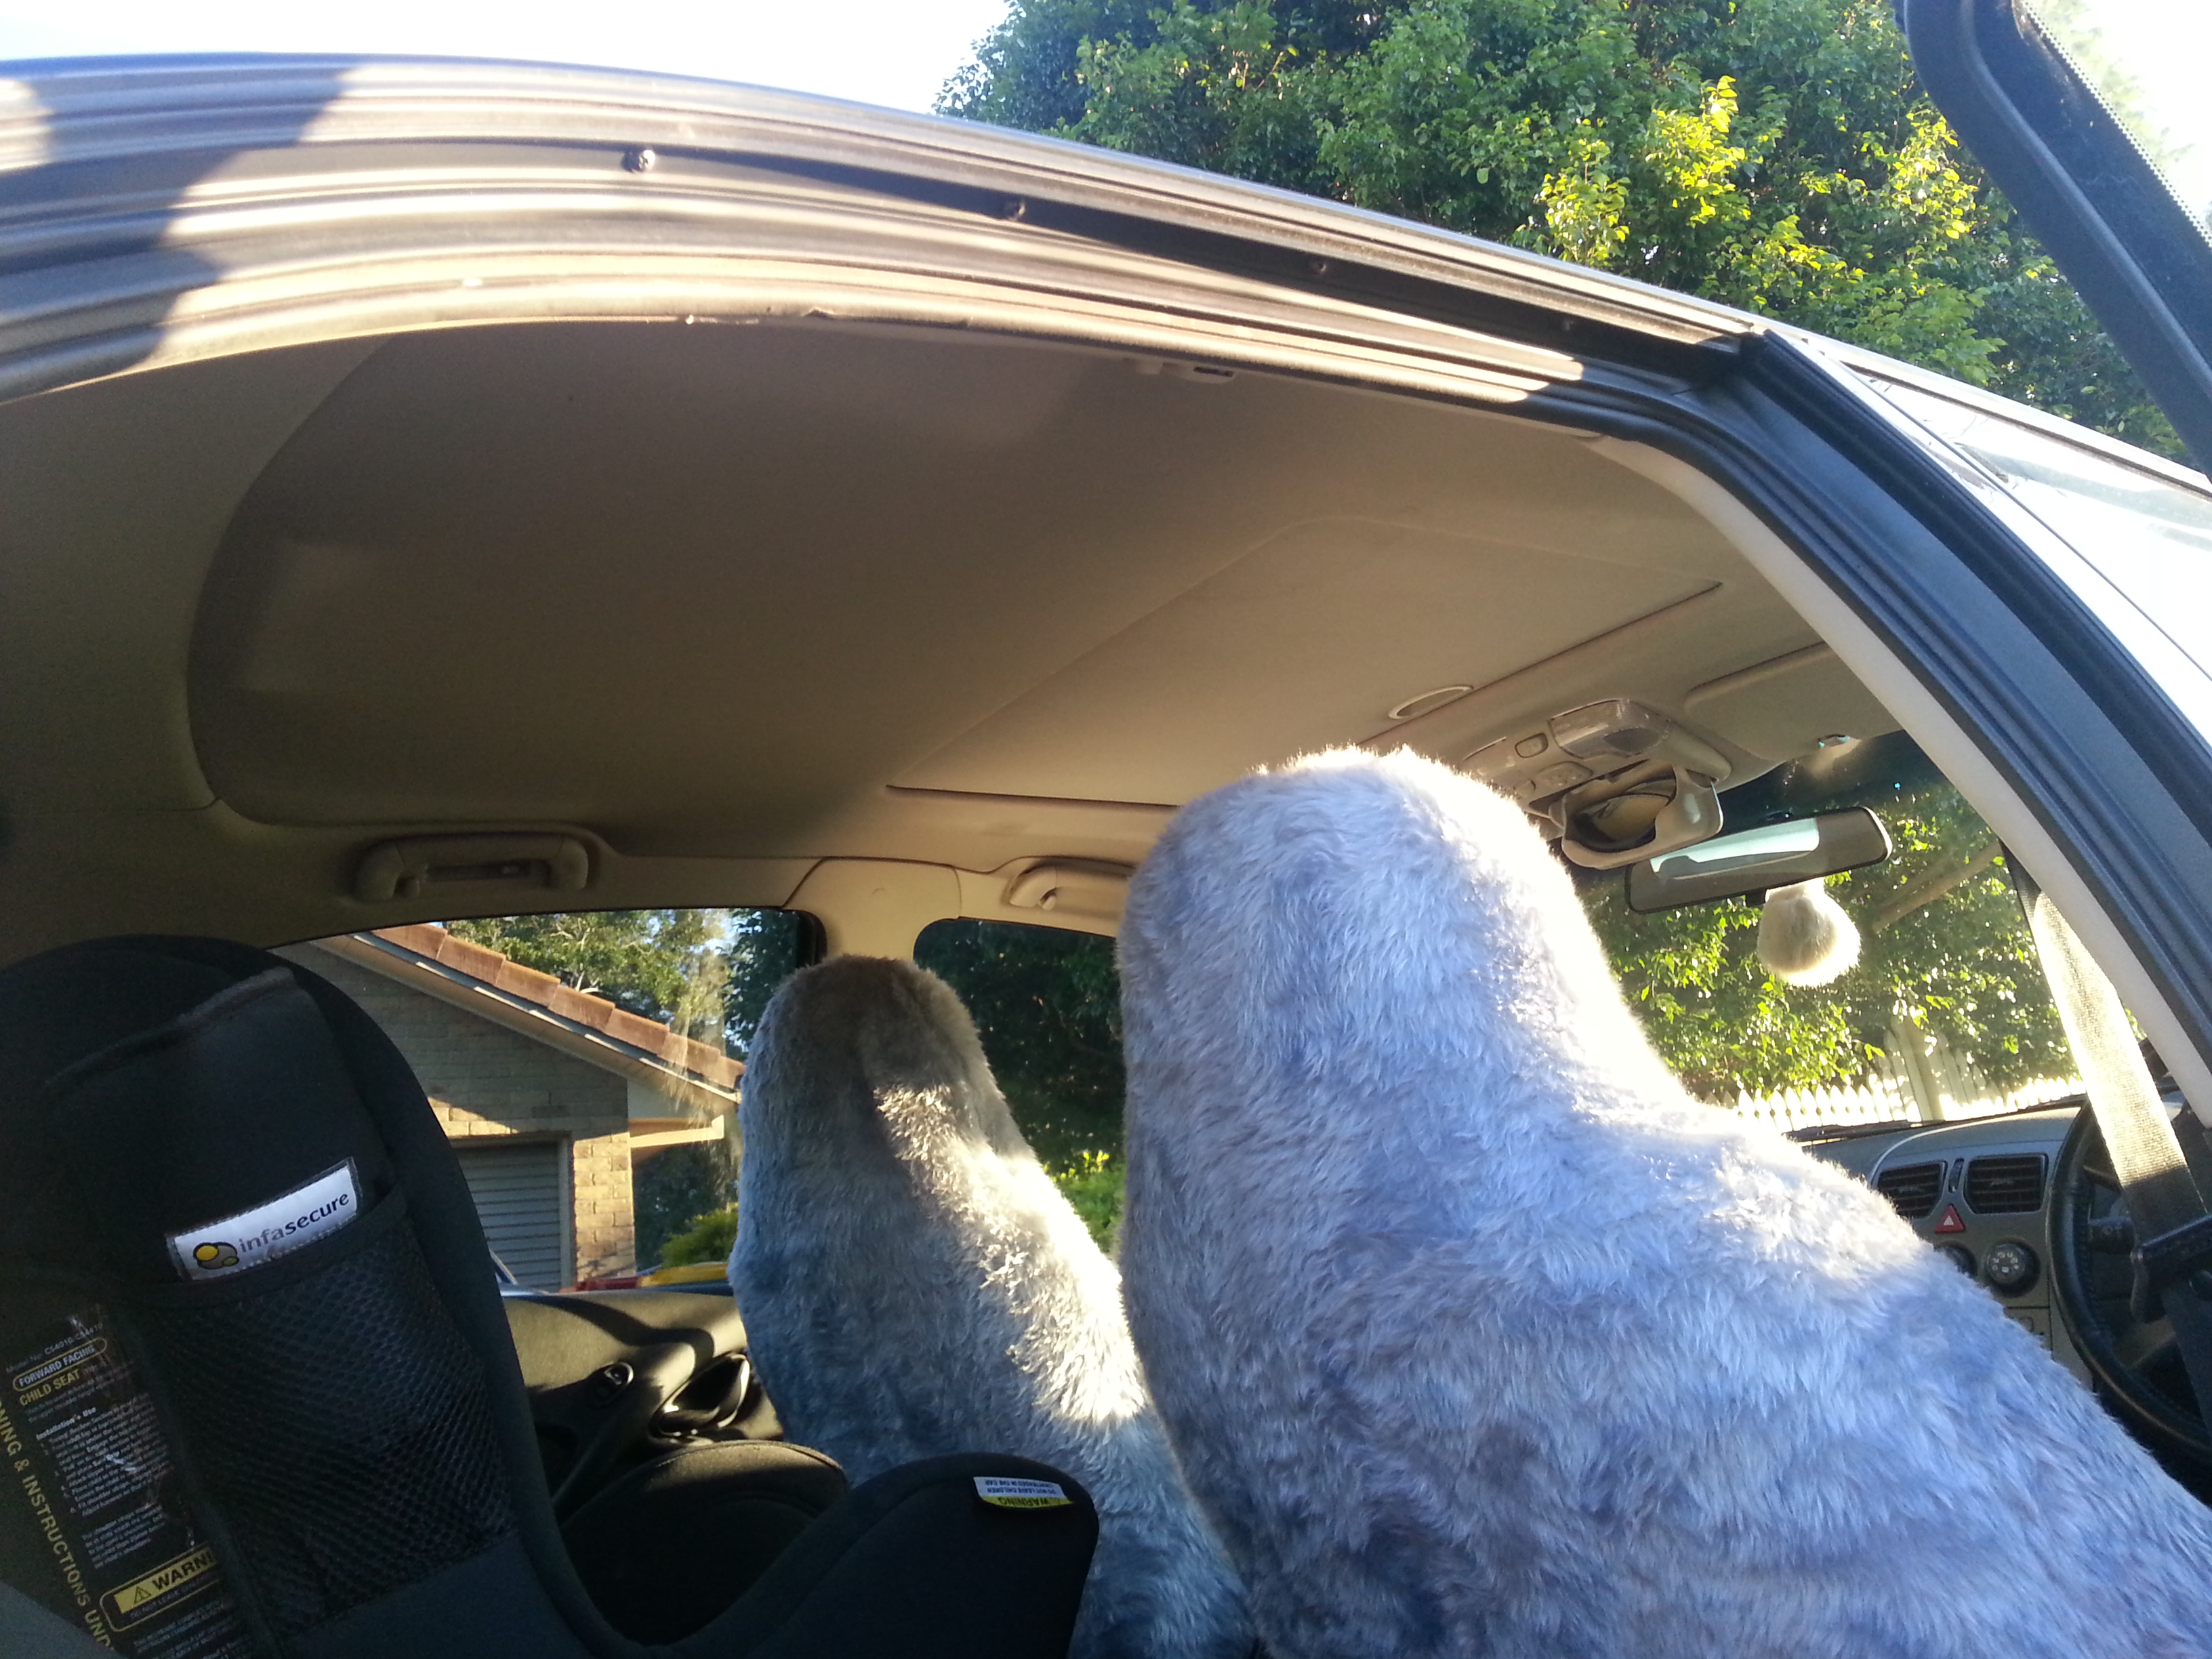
(914, 1285)
(1477, 1335)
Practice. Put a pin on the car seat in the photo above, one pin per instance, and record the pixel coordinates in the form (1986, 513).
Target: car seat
(1478, 1332)
(912, 1281)
(259, 1394)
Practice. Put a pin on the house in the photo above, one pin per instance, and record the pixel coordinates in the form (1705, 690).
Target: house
(551, 1096)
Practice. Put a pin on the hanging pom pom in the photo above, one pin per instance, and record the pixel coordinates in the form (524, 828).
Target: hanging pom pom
(1804, 937)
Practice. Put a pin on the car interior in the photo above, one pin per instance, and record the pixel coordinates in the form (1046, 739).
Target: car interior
(863, 621)
(883, 625)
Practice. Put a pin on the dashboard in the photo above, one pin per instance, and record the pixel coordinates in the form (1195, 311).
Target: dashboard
(1980, 1191)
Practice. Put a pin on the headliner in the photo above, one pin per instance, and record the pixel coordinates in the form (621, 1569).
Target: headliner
(725, 596)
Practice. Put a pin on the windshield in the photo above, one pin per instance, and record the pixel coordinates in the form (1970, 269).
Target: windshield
(1943, 1013)
(2145, 59)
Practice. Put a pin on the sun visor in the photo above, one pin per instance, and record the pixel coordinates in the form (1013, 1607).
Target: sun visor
(1786, 706)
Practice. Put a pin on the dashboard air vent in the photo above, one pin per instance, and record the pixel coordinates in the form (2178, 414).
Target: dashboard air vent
(1912, 1188)
(2005, 1186)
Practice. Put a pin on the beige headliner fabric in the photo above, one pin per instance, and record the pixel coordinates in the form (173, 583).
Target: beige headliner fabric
(699, 588)
(725, 601)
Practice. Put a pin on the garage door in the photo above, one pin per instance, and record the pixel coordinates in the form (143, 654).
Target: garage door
(522, 1202)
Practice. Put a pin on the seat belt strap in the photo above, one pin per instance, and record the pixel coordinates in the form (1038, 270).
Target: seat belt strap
(2173, 1231)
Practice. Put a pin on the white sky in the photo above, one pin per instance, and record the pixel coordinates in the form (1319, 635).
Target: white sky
(895, 52)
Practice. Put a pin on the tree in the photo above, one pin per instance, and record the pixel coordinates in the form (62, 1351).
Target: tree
(707, 973)
(1047, 1005)
(661, 964)
(1775, 154)
(1944, 952)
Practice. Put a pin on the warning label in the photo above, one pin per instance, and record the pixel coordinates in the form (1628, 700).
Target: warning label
(85, 1451)
(1006, 1492)
(167, 1585)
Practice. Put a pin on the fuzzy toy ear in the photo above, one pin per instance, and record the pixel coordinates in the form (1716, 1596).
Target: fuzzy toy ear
(1804, 937)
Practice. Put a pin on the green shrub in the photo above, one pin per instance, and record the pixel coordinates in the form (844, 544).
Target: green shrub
(708, 1238)
(1093, 1185)
(676, 1186)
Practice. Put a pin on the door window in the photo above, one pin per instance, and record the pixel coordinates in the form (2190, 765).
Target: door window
(585, 1065)
(2131, 539)
(1047, 1003)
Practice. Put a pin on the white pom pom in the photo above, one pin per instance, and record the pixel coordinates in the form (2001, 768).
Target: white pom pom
(1804, 937)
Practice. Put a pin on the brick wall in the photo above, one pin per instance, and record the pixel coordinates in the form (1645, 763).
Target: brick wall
(483, 1080)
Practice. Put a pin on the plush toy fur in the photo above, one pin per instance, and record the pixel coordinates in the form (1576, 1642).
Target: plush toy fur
(1805, 938)
(1477, 1335)
(914, 1285)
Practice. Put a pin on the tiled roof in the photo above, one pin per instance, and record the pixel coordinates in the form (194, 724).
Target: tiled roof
(708, 1064)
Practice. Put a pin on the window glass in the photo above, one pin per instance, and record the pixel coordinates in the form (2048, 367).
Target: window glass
(1944, 1014)
(1047, 1005)
(2145, 532)
(2145, 60)
(706, 972)
(585, 1066)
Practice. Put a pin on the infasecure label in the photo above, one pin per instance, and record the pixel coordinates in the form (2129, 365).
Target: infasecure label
(1006, 1492)
(89, 1468)
(233, 1244)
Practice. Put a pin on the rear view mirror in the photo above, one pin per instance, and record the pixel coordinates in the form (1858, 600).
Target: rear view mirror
(1753, 860)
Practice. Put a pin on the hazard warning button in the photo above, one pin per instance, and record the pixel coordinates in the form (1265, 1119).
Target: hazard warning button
(1950, 1221)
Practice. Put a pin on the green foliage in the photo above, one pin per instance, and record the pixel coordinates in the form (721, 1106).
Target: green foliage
(1048, 1004)
(708, 973)
(674, 1186)
(662, 965)
(710, 1238)
(1093, 1183)
(762, 951)
(1774, 154)
(1943, 950)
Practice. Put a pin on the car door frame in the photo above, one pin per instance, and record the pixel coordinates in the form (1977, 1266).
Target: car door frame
(2086, 189)
(2085, 767)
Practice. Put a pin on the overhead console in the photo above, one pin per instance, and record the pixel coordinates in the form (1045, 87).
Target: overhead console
(1615, 782)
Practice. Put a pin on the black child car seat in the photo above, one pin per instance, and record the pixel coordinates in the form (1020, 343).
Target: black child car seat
(259, 1397)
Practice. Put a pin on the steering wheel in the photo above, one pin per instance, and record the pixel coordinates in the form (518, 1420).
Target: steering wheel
(2137, 1367)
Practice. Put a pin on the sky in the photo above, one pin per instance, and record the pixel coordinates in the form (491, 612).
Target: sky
(893, 53)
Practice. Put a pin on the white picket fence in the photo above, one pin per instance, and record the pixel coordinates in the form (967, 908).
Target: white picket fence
(1875, 1100)
(1884, 1100)
(1931, 1086)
